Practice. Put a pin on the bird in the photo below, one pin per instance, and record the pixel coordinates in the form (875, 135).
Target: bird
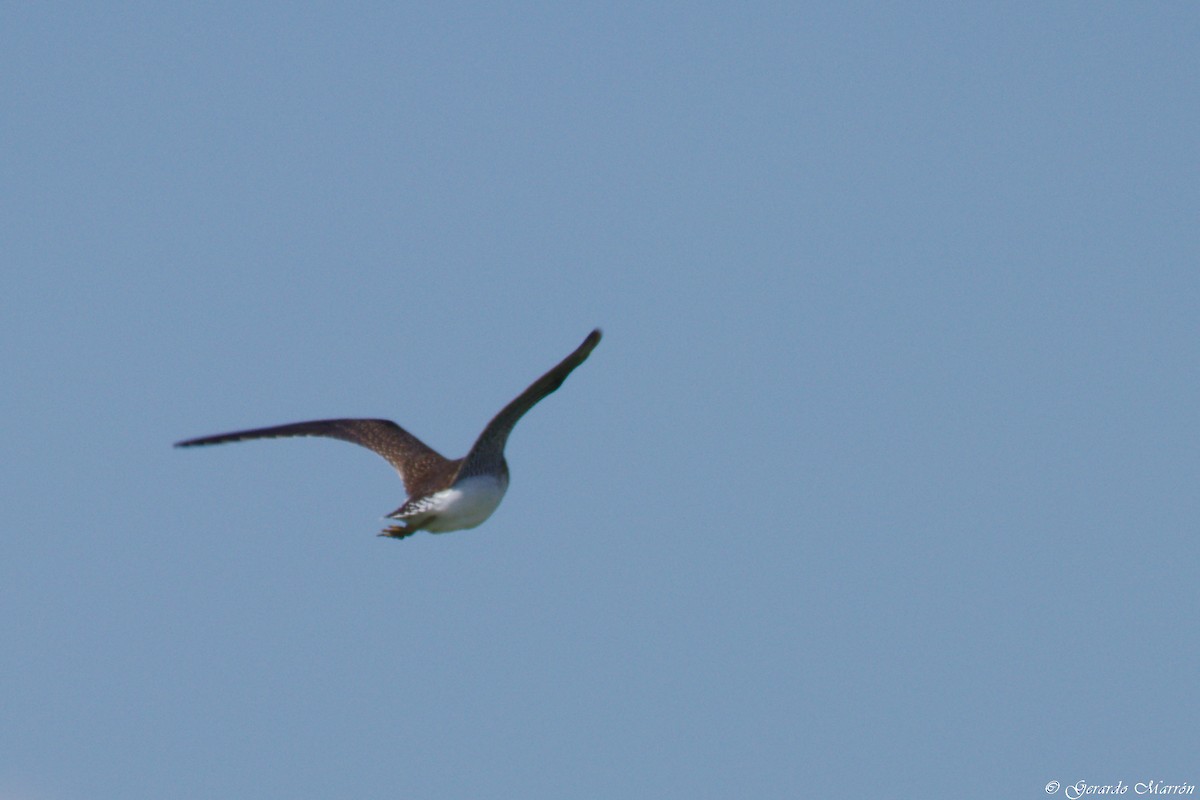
(443, 494)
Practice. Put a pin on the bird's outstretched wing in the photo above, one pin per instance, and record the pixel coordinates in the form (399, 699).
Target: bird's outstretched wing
(419, 465)
(487, 453)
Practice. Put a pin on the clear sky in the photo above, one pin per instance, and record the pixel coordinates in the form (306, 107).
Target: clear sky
(882, 483)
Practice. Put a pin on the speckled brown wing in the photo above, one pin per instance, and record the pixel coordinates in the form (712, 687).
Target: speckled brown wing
(487, 454)
(422, 468)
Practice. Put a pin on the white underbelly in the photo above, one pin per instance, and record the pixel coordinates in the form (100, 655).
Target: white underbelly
(465, 504)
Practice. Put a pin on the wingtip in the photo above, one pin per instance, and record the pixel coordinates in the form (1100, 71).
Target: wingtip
(198, 442)
(589, 344)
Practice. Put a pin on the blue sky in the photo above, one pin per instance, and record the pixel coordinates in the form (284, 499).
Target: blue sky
(883, 481)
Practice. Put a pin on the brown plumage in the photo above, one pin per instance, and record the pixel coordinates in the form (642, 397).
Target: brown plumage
(443, 494)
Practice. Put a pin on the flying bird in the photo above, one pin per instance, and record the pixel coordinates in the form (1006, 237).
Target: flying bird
(443, 494)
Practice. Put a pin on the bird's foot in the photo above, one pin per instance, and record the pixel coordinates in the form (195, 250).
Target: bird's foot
(397, 531)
